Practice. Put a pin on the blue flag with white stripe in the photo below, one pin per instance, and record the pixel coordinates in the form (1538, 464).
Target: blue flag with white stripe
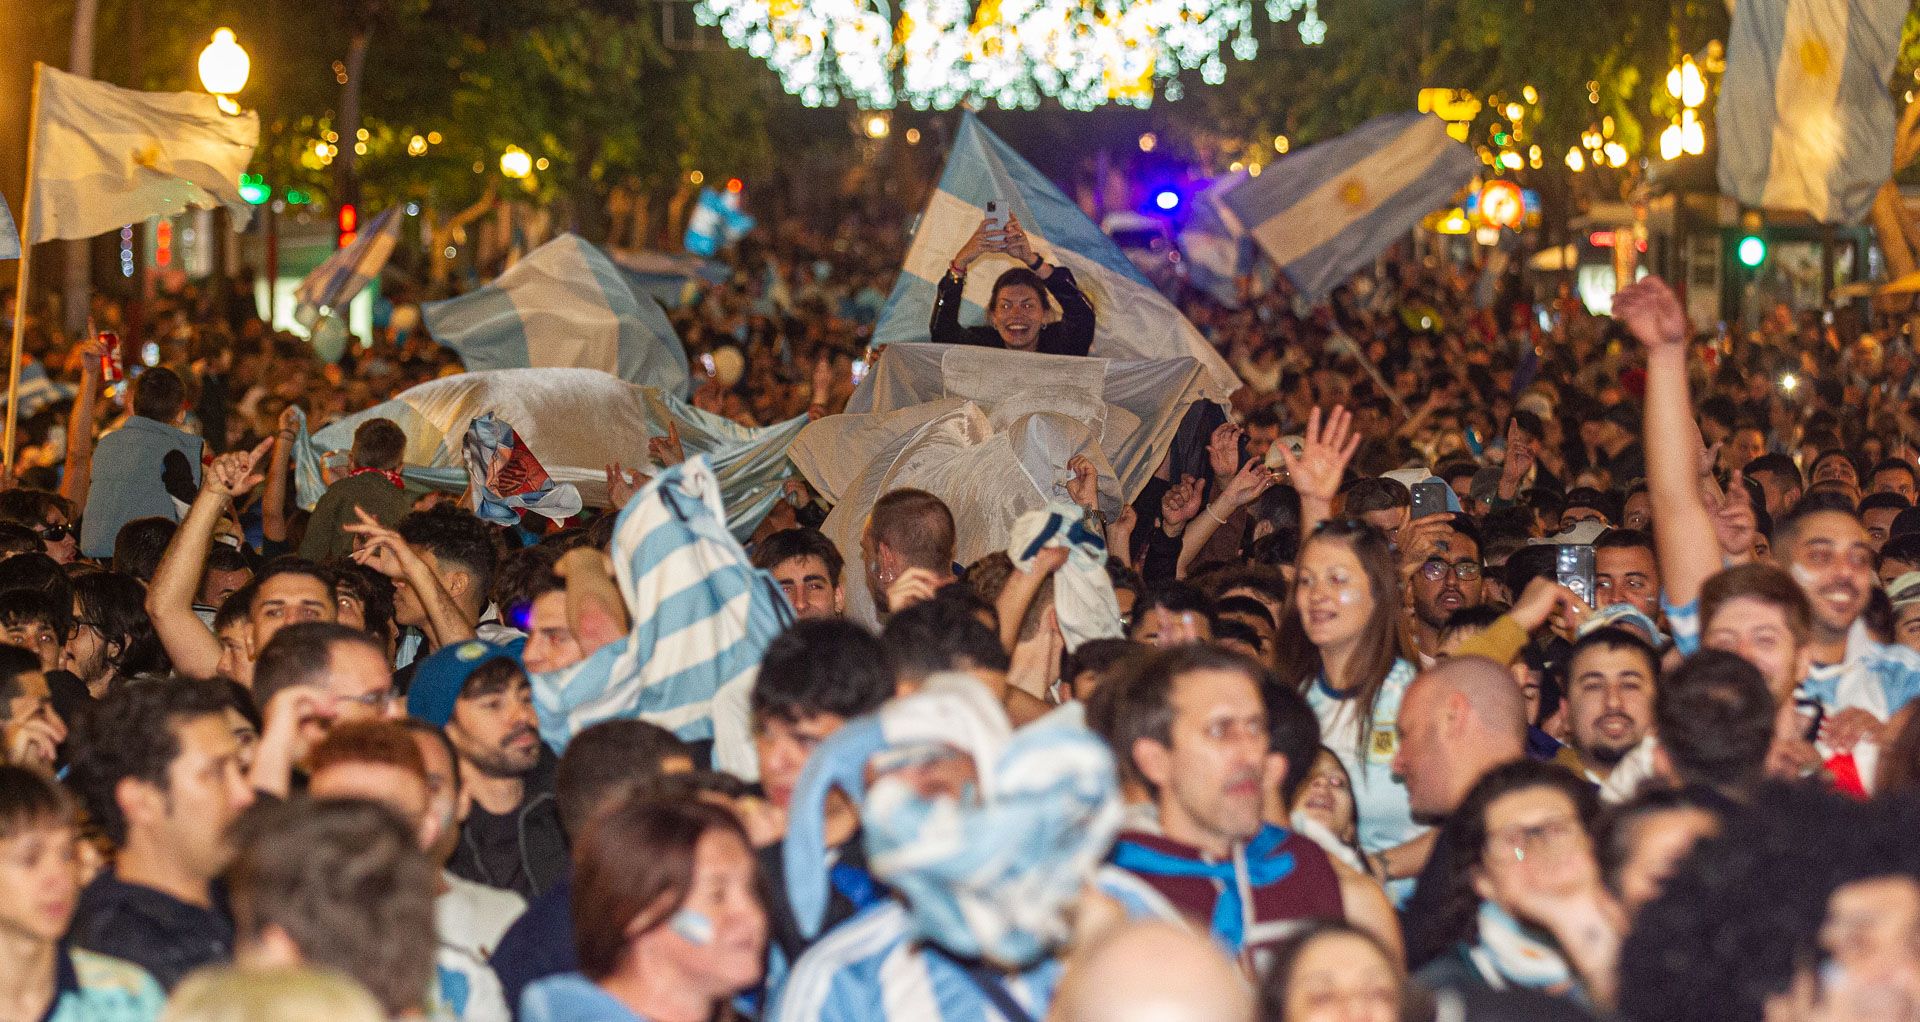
(566, 305)
(9, 234)
(1330, 209)
(345, 273)
(716, 222)
(1805, 120)
(702, 617)
(1133, 319)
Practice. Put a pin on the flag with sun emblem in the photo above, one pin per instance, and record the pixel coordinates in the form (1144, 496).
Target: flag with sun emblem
(1806, 122)
(1329, 209)
(1132, 320)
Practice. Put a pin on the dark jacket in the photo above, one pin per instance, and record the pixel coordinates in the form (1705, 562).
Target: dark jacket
(156, 931)
(538, 944)
(524, 851)
(1071, 334)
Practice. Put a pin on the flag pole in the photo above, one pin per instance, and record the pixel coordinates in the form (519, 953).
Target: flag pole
(26, 257)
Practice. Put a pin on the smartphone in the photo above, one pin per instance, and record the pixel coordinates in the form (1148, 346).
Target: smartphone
(994, 222)
(1429, 499)
(1573, 568)
(111, 371)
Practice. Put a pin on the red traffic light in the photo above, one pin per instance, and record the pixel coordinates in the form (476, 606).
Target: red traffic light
(348, 221)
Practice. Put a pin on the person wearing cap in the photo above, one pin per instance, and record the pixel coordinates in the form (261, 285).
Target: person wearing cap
(1905, 593)
(511, 838)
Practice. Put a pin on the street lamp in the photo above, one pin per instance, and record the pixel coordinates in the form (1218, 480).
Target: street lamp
(224, 67)
(516, 162)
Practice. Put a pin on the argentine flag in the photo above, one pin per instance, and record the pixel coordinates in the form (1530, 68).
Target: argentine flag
(563, 306)
(9, 234)
(1329, 209)
(335, 282)
(1217, 254)
(716, 223)
(702, 618)
(1806, 122)
(1134, 320)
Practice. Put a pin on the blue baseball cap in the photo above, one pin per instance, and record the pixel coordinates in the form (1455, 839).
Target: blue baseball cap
(438, 679)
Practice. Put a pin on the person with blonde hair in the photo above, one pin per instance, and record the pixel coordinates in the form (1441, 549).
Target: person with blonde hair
(295, 993)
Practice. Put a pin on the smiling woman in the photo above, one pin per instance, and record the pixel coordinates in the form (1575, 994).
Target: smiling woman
(1018, 308)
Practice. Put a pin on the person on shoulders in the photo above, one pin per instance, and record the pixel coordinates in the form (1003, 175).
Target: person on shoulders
(1018, 306)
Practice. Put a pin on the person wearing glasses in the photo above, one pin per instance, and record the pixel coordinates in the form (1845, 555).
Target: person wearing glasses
(1527, 908)
(312, 676)
(1018, 309)
(1450, 579)
(48, 516)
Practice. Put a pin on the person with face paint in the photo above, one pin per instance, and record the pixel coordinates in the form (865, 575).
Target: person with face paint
(1342, 644)
(1018, 307)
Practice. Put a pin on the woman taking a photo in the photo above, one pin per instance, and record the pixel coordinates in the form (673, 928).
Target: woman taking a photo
(667, 917)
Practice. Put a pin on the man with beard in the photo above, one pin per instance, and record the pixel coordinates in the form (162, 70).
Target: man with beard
(1611, 677)
(1450, 579)
(1191, 727)
(478, 692)
(1624, 571)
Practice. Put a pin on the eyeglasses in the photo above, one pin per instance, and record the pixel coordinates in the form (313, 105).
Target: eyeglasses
(1436, 569)
(372, 700)
(54, 533)
(1539, 839)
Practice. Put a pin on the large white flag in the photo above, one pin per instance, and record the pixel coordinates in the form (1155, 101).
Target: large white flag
(108, 156)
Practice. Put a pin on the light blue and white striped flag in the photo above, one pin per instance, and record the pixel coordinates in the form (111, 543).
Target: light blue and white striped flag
(716, 222)
(38, 391)
(702, 617)
(334, 283)
(1329, 209)
(1217, 253)
(1805, 120)
(566, 305)
(9, 234)
(1133, 319)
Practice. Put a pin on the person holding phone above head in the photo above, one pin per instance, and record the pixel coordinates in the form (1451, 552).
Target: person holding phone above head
(1017, 310)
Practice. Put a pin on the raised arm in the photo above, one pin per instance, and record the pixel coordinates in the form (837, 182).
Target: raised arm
(596, 612)
(385, 552)
(273, 515)
(1316, 472)
(1243, 488)
(946, 328)
(77, 477)
(193, 647)
(1681, 522)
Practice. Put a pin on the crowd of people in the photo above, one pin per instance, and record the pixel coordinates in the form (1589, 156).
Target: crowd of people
(1484, 659)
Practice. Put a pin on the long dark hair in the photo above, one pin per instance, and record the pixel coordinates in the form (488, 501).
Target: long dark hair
(633, 863)
(1465, 833)
(1382, 642)
(1286, 956)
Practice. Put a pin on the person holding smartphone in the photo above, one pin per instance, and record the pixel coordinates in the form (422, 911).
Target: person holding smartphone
(1017, 310)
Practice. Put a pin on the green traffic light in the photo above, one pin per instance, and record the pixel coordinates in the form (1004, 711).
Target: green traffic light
(1752, 251)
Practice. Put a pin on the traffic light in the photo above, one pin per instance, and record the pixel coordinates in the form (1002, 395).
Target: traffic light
(349, 224)
(1752, 251)
(253, 188)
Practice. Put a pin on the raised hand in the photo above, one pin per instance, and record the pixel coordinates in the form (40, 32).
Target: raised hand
(1246, 485)
(1652, 313)
(1120, 534)
(666, 450)
(1013, 241)
(623, 484)
(915, 585)
(289, 423)
(234, 473)
(1734, 523)
(1548, 602)
(1084, 487)
(985, 238)
(1223, 450)
(1180, 504)
(1324, 453)
(381, 548)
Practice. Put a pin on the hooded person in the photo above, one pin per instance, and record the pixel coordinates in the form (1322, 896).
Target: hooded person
(990, 841)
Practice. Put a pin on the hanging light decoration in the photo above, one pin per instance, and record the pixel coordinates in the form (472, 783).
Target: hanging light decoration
(937, 54)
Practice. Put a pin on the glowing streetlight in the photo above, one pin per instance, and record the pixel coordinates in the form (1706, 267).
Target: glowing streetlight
(878, 126)
(1575, 161)
(516, 162)
(224, 67)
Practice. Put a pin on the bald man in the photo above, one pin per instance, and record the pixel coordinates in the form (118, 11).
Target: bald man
(1152, 972)
(1459, 719)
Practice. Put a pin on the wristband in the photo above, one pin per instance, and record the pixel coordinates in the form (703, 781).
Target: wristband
(1215, 517)
(1036, 264)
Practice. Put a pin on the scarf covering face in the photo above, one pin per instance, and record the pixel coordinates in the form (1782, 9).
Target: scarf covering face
(990, 873)
(1519, 956)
